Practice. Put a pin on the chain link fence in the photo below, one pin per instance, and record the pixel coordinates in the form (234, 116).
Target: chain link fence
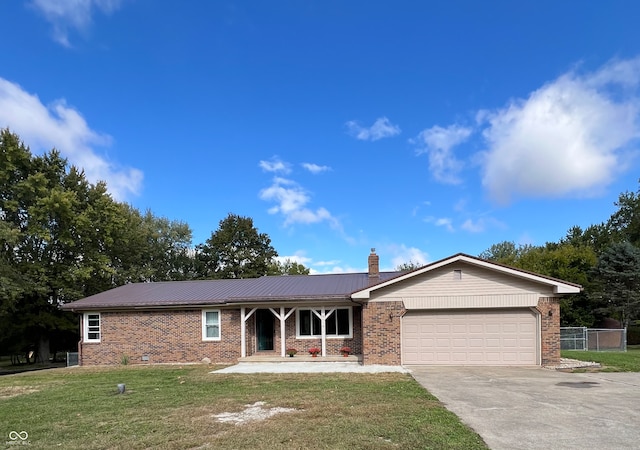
(595, 339)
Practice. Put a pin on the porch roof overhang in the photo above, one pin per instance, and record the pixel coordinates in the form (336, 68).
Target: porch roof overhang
(271, 301)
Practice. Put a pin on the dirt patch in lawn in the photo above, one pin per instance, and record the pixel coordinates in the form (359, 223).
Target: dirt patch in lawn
(252, 413)
(14, 391)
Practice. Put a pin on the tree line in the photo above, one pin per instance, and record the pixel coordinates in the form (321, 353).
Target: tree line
(604, 258)
(63, 238)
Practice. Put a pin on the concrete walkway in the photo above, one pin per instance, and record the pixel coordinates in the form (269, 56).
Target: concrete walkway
(308, 367)
(534, 408)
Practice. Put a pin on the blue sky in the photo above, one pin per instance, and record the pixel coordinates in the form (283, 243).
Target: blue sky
(422, 129)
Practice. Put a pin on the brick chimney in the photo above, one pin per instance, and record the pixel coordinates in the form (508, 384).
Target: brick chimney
(374, 268)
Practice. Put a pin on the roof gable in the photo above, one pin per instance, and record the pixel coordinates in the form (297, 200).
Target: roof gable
(557, 286)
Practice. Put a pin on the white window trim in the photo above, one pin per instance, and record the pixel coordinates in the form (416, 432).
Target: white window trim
(85, 327)
(329, 336)
(204, 325)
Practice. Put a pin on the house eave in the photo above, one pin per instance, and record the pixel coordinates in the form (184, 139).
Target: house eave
(232, 302)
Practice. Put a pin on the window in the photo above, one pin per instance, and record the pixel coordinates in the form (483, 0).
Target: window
(338, 323)
(457, 274)
(211, 325)
(91, 327)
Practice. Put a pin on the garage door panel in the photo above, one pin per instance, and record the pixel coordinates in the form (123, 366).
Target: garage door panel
(527, 328)
(459, 328)
(411, 328)
(426, 328)
(498, 337)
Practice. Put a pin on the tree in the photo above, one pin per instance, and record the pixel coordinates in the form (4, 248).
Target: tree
(287, 267)
(63, 238)
(570, 260)
(506, 252)
(408, 266)
(617, 279)
(235, 250)
(597, 237)
(624, 224)
(41, 237)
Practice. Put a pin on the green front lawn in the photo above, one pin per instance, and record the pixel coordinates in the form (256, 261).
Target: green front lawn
(174, 407)
(628, 361)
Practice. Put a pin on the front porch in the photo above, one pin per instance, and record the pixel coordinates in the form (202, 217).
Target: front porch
(266, 332)
(261, 358)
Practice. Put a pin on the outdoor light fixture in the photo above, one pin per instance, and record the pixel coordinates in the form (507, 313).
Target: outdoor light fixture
(550, 312)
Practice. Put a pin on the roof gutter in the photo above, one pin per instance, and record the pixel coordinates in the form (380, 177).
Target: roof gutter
(229, 303)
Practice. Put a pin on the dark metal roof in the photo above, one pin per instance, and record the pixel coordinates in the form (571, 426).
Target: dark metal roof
(219, 292)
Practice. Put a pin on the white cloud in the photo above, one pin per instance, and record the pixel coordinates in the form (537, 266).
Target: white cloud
(473, 227)
(414, 211)
(481, 224)
(291, 200)
(275, 165)
(460, 205)
(315, 168)
(403, 254)
(72, 14)
(60, 126)
(445, 222)
(298, 258)
(336, 269)
(332, 262)
(381, 128)
(570, 137)
(438, 142)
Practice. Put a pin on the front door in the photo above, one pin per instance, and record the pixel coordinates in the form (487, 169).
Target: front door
(264, 329)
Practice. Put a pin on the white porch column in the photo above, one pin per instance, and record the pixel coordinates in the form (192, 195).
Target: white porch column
(243, 334)
(323, 327)
(322, 315)
(243, 330)
(283, 337)
(283, 319)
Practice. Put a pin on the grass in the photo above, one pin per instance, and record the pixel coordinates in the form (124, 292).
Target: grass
(173, 407)
(628, 361)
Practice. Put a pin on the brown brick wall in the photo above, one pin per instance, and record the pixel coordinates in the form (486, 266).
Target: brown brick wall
(381, 332)
(176, 337)
(165, 336)
(550, 328)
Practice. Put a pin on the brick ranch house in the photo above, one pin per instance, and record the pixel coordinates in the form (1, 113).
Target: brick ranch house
(460, 310)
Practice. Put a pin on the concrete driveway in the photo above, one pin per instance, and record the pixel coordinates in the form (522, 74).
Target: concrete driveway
(533, 408)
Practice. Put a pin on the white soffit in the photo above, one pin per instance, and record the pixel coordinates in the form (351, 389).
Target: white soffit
(471, 301)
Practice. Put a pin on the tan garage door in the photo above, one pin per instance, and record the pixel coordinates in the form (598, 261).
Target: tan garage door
(478, 337)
